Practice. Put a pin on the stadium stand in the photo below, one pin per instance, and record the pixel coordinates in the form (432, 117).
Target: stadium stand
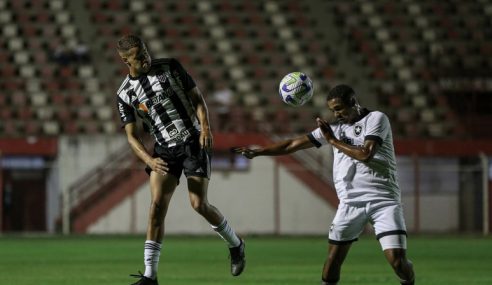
(423, 63)
(412, 49)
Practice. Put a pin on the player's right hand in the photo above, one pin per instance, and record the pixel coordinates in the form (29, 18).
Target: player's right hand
(244, 151)
(326, 129)
(158, 165)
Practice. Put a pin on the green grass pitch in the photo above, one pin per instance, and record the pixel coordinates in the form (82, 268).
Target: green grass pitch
(108, 260)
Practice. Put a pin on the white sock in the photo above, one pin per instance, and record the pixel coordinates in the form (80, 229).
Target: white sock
(152, 251)
(227, 233)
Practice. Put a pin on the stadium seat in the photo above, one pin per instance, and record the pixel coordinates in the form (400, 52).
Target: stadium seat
(51, 128)
(44, 113)
(252, 45)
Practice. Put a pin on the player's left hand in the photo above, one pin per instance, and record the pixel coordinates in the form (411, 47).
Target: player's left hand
(206, 140)
(244, 151)
(326, 129)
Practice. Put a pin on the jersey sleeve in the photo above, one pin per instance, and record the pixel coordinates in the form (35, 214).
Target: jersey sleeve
(317, 138)
(378, 126)
(127, 113)
(185, 77)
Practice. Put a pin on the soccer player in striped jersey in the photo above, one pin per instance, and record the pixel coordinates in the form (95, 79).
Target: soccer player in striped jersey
(364, 173)
(173, 110)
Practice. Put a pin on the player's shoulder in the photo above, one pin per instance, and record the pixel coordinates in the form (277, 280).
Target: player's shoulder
(376, 114)
(166, 61)
(377, 118)
(124, 86)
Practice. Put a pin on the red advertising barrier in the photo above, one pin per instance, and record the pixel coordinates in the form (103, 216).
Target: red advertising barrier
(29, 146)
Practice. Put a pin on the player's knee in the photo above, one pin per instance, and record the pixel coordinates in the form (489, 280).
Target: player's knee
(401, 264)
(156, 212)
(334, 261)
(200, 206)
(396, 263)
(397, 259)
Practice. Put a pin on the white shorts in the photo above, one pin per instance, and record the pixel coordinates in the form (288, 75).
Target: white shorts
(386, 217)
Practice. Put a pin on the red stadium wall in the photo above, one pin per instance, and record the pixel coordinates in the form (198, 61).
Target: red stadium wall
(29, 146)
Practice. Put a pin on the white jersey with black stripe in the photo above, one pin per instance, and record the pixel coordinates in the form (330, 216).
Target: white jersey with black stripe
(159, 99)
(356, 181)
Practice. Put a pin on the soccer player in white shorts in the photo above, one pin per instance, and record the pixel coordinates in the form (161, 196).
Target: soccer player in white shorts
(364, 173)
(386, 218)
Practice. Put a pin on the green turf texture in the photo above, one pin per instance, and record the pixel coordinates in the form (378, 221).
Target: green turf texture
(109, 260)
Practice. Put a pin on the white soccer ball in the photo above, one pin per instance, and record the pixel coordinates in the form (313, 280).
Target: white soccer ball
(296, 88)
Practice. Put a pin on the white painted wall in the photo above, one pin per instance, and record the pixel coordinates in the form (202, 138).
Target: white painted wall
(80, 154)
(245, 198)
(438, 213)
(77, 155)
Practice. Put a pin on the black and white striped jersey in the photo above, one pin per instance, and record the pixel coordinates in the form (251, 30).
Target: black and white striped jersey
(159, 99)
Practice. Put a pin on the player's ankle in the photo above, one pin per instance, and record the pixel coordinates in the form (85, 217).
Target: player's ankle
(332, 282)
(405, 282)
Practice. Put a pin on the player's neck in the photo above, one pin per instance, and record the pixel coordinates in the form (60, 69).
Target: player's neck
(134, 73)
(359, 113)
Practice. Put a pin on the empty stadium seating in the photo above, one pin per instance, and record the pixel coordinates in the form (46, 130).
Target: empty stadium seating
(402, 53)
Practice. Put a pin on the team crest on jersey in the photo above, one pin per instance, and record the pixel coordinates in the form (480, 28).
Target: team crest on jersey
(357, 130)
(161, 77)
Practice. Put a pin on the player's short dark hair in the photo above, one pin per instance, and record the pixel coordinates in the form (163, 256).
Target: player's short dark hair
(342, 91)
(127, 42)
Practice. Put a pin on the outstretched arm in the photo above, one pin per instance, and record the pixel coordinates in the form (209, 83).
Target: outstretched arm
(280, 148)
(362, 153)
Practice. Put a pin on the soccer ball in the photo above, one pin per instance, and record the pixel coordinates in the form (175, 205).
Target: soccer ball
(296, 88)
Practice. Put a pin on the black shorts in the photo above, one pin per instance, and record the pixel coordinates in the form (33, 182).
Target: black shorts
(189, 157)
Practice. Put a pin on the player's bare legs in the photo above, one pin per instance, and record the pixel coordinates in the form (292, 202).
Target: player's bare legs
(198, 187)
(401, 265)
(161, 189)
(333, 263)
